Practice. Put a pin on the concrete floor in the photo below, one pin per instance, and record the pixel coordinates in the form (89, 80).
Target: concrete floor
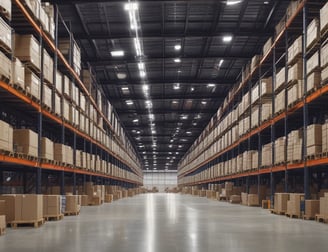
(169, 223)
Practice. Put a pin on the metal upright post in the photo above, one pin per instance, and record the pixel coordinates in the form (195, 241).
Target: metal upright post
(305, 110)
(286, 106)
(74, 162)
(272, 183)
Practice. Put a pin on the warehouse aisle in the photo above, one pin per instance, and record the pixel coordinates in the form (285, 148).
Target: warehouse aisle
(169, 223)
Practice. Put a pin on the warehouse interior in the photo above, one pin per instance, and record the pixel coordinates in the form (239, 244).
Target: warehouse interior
(148, 125)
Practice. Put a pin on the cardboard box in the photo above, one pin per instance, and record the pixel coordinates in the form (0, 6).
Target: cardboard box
(18, 73)
(5, 66)
(63, 153)
(34, 6)
(313, 81)
(324, 18)
(84, 200)
(324, 206)
(47, 96)
(32, 83)
(294, 204)
(6, 136)
(313, 33)
(253, 200)
(26, 142)
(72, 205)
(314, 134)
(28, 49)
(235, 199)
(57, 104)
(295, 72)
(312, 207)
(280, 202)
(280, 26)
(47, 148)
(32, 206)
(6, 6)
(280, 78)
(52, 205)
(324, 75)
(59, 82)
(2, 207)
(48, 67)
(324, 56)
(280, 102)
(313, 63)
(267, 46)
(295, 50)
(5, 34)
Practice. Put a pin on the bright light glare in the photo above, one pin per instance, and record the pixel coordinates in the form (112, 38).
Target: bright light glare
(227, 39)
(118, 53)
(233, 2)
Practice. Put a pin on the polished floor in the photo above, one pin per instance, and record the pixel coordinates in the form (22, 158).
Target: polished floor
(170, 223)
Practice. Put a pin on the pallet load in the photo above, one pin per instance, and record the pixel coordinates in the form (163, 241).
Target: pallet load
(294, 205)
(253, 200)
(72, 206)
(5, 35)
(18, 73)
(63, 153)
(3, 224)
(244, 199)
(25, 142)
(47, 148)
(323, 210)
(5, 66)
(5, 8)
(235, 199)
(23, 209)
(312, 207)
(52, 207)
(314, 139)
(6, 137)
(108, 198)
(280, 203)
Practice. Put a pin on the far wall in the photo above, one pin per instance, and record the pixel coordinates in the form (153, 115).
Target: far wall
(160, 179)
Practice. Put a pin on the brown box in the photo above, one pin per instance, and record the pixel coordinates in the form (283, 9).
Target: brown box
(85, 200)
(267, 46)
(63, 153)
(295, 50)
(312, 63)
(72, 205)
(313, 33)
(280, 202)
(294, 204)
(27, 49)
(48, 67)
(32, 83)
(18, 73)
(324, 206)
(253, 200)
(6, 5)
(280, 26)
(32, 206)
(295, 72)
(312, 207)
(235, 199)
(47, 148)
(5, 33)
(2, 207)
(6, 136)
(324, 18)
(314, 134)
(3, 223)
(51, 205)
(324, 55)
(47, 96)
(313, 81)
(26, 141)
(314, 149)
(5, 66)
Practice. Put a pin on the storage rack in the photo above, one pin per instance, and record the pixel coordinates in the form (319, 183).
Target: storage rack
(23, 109)
(292, 117)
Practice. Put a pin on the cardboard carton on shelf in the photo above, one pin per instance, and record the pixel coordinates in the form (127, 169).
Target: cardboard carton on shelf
(314, 134)
(28, 49)
(313, 81)
(5, 66)
(6, 137)
(267, 46)
(26, 142)
(295, 72)
(295, 50)
(324, 55)
(324, 18)
(313, 33)
(17, 73)
(5, 34)
(6, 6)
(280, 202)
(313, 63)
(32, 83)
(47, 96)
(47, 148)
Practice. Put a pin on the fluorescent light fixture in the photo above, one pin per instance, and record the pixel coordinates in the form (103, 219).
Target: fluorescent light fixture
(135, 120)
(192, 89)
(142, 74)
(137, 46)
(141, 66)
(151, 116)
(144, 152)
(177, 47)
(175, 102)
(170, 153)
(233, 2)
(138, 132)
(167, 157)
(121, 76)
(171, 141)
(180, 146)
(149, 104)
(145, 87)
(129, 102)
(118, 53)
(153, 132)
(125, 88)
(176, 86)
(177, 153)
(132, 6)
(227, 39)
(184, 117)
(221, 62)
(154, 145)
(266, 2)
(194, 124)
(177, 60)
(210, 85)
(188, 132)
(204, 102)
(170, 146)
(179, 71)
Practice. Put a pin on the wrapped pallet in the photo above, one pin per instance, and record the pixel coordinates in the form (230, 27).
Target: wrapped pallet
(32, 83)
(5, 35)
(47, 148)
(314, 139)
(294, 204)
(5, 66)
(52, 206)
(280, 202)
(312, 207)
(6, 8)
(313, 33)
(18, 73)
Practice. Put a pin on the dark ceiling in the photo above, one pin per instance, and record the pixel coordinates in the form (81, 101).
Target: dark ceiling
(180, 111)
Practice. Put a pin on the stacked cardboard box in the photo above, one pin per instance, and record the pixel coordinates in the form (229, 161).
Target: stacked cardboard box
(48, 67)
(324, 205)
(84, 200)
(324, 18)
(280, 144)
(313, 33)
(26, 142)
(266, 111)
(325, 137)
(295, 92)
(5, 34)
(313, 80)
(267, 154)
(280, 79)
(255, 159)
(312, 207)
(47, 96)
(18, 73)
(47, 148)
(63, 153)
(295, 50)
(6, 136)
(109, 198)
(23, 207)
(235, 199)
(280, 104)
(294, 204)
(65, 47)
(280, 202)
(313, 63)
(72, 204)
(267, 46)
(244, 198)
(32, 83)
(52, 205)
(253, 200)
(295, 72)
(5, 66)
(28, 49)
(3, 224)
(314, 139)
(294, 148)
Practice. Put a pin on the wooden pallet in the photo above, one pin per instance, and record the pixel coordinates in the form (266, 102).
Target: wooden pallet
(6, 153)
(5, 48)
(292, 216)
(4, 78)
(54, 217)
(305, 217)
(71, 213)
(321, 218)
(32, 67)
(35, 223)
(2, 231)
(273, 211)
(295, 59)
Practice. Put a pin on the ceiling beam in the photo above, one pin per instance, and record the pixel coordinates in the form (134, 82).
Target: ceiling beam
(100, 61)
(152, 82)
(140, 112)
(195, 97)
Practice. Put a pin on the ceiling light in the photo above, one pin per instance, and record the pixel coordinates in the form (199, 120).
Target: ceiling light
(151, 116)
(221, 62)
(153, 132)
(125, 88)
(170, 146)
(167, 157)
(137, 46)
(131, 6)
(145, 87)
(121, 76)
(171, 141)
(170, 153)
(141, 66)
(129, 102)
(266, 2)
(189, 132)
(227, 39)
(118, 53)
(192, 89)
(179, 71)
(175, 102)
(204, 102)
(180, 146)
(177, 153)
(142, 74)
(135, 120)
(177, 60)
(210, 85)
(144, 152)
(176, 86)
(177, 47)
(233, 2)
(184, 117)
(194, 124)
